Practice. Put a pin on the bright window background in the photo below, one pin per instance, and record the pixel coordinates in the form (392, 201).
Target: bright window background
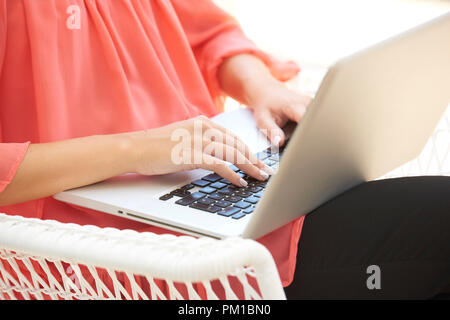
(315, 33)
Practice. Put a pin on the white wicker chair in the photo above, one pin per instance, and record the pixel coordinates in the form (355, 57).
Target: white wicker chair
(51, 260)
(46, 259)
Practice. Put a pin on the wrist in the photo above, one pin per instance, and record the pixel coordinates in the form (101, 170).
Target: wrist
(257, 89)
(125, 151)
(246, 78)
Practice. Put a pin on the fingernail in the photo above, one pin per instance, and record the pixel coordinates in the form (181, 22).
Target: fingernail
(243, 182)
(276, 140)
(268, 170)
(263, 174)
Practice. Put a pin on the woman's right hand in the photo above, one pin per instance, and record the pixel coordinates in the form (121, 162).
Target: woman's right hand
(49, 168)
(191, 144)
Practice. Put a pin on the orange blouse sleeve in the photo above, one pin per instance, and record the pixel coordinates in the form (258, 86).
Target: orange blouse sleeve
(11, 154)
(215, 35)
(2, 33)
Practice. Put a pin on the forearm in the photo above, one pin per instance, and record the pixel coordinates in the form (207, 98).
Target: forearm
(49, 168)
(244, 78)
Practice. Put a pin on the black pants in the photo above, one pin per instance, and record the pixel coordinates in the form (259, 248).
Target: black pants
(386, 239)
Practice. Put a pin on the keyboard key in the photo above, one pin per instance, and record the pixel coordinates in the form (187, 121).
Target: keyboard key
(166, 197)
(187, 186)
(198, 205)
(243, 193)
(200, 183)
(242, 205)
(218, 185)
(248, 210)
(212, 177)
(242, 174)
(275, 157)
(261, 183)
(234, 168)
(216, 196)
(190, 198)
(205, 207)
(206, 201)
(223, 203)
(262, 155)
(180, 192)
(214, 209)
(208, 190)
(229, 211)
(225, 181)
(269, 162)
(258, 194)
(233, 198)
(252, 200)
(238, 215)
(226, 191)
(254, 189)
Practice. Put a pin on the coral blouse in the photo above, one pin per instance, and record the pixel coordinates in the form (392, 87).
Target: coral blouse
(86, 67)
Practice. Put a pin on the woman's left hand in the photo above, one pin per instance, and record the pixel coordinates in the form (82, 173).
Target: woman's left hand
(247, 79)
(274, 105)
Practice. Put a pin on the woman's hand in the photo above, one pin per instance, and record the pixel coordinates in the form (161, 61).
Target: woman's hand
(49, 168)
(247, 79)
(191, 144)
(273, 105)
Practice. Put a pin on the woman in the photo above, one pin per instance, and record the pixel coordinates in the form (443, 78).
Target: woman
(91, 89)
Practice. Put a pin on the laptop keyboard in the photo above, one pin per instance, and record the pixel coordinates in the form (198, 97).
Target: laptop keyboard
(216, 195)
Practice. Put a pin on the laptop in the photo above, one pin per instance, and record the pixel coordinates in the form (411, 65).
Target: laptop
(374, 111)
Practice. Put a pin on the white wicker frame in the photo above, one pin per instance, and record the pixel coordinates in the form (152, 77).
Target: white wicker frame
(69, 256)
(76, 252)
(435, 156)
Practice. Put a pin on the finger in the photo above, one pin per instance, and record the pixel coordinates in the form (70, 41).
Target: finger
(221, 168)
(295, 112)
(229, 138)
(245, 150)
(233, 155)
(274, 133)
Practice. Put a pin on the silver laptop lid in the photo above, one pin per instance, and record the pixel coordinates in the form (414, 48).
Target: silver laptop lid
(374, 111)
